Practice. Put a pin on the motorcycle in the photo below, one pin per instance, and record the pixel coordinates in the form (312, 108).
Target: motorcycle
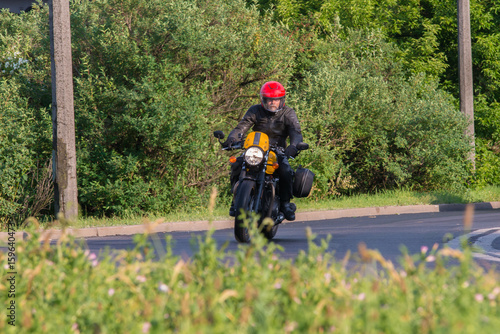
(257, 189)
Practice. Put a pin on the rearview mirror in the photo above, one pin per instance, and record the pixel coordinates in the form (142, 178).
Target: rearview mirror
(219, 134)
(302, 146)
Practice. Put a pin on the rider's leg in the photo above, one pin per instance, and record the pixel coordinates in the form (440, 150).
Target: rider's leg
(286, 188)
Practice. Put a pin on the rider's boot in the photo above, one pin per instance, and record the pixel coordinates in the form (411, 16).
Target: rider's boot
(288, 210)
(234, 186)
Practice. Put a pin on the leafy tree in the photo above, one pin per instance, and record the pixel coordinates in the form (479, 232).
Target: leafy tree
(426, 34)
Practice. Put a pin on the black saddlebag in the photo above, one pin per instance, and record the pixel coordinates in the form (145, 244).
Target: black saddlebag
(302, 182)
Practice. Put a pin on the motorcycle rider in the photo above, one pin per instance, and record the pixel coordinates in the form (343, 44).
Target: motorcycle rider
(279, 122)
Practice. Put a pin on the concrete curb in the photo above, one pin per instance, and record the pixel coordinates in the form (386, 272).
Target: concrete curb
(223, 224)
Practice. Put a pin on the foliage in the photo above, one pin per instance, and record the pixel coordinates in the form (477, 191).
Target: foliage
(426, 35)
(487, 163)
(373, 129)
(15, 150)
(25, 147)
(25, 176)
(153, 79)
(249, 290)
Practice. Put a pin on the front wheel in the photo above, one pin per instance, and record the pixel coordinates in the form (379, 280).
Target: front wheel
(270, 231)
(270, 202)
(243, 202)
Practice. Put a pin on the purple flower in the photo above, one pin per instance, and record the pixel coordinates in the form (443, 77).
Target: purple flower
(146, 327)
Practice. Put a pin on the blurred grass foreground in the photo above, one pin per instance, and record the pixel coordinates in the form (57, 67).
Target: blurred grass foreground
(62, 288)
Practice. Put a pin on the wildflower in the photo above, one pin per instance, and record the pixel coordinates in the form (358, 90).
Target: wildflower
(361, 296)
(277, 285)
(430, 258)
(111, 292)
(92, 256)
(424, 249)
(6, 267)
(146, 327)
(141, 278)
(479, 297)
(465, 285)
(328, 277)
(74, 328)
(290, 326)
(163, 287)
(494, 294)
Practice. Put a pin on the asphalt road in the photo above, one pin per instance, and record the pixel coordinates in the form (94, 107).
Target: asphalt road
(387, 234)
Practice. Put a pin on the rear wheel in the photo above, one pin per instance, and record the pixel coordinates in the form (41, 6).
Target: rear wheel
(243, 202)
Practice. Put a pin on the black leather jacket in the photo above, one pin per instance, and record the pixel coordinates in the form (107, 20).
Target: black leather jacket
(278, 126)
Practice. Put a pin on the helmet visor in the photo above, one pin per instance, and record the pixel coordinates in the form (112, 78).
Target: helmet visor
(273, 104)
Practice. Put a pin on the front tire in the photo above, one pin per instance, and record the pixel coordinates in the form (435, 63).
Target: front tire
(271, 207)
(243, 202)
(270, 231)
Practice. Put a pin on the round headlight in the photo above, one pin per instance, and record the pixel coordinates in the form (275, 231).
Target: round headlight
(254, 156)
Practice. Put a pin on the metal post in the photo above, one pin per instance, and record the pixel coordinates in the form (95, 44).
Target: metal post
(63, 118)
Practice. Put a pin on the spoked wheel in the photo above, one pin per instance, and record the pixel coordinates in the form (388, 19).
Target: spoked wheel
(243, 201)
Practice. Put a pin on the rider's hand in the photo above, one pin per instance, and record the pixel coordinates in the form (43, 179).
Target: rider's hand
(230, 141)
(291, 151)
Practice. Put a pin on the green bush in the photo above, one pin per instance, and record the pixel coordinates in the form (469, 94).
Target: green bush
(25, 136)
(15, 149)
(371, 128)
(487, 164)
(25, 176)
(154, 80)
(426, 35)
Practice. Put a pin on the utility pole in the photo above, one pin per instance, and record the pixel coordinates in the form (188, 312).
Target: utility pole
(465, 71)
(63, 114)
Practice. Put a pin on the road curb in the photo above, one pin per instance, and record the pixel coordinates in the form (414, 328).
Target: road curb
(52, 234)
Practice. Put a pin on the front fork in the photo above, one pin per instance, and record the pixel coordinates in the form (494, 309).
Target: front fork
(259, 182)
(260, 187)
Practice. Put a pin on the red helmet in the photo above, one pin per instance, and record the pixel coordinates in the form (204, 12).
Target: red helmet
(270, 92)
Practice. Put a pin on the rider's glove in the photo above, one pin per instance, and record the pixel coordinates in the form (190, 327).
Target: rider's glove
(291, 151)
(230, 141)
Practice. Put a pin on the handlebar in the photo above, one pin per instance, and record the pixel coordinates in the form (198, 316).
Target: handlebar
(236, 146)
(239, 145)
